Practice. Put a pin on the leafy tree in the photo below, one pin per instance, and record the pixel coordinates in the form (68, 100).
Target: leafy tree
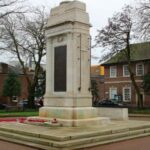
(116, 37)
(12, 86)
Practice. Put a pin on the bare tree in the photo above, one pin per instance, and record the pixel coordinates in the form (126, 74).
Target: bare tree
(9, 6)
(24, 36)
(144, 19)
(144, 27)
(116, 38)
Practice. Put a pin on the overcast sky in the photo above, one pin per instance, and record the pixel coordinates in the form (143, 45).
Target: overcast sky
(99, 11)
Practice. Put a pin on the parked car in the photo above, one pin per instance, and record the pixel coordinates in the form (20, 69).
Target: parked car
(107, 103)
(23, 103)
(2, 106)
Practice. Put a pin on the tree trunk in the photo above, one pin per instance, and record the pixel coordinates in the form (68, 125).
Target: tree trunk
(132, 77)
(31, 91)
(9, 100)
(140, 101)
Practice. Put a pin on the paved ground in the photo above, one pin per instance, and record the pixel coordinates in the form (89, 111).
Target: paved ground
(140, 118)
(10, 146)
(136, 144)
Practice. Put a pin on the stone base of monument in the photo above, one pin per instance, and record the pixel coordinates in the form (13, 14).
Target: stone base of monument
(71, 138)
(113, 113)
(76, 123)
(72, 117)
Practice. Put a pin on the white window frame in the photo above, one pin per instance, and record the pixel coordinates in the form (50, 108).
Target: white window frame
(113, 76)
(124, 75)
(110, 89)
(137, 69)
(124, 94)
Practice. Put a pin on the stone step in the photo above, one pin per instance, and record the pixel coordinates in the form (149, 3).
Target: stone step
(101, 138)
(27, 143)
(108, 141)
(21, 137)
(33, 134)
(111, 132)
(80, 136)
(74, 142)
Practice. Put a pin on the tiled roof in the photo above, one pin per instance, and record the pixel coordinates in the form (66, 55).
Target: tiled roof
(139, 51)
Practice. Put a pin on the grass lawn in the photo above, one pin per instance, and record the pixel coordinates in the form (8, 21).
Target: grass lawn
(35, 112)
(139, 111)
(13, 113)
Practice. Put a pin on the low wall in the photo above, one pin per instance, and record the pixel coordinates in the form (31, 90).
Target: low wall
(113, 113)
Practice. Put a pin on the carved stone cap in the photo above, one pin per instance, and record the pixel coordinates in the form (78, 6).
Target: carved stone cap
(64, 2)
(74, 11)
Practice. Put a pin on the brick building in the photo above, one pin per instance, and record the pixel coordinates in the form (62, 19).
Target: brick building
(4, 70)
(117, 79)
(97, 75)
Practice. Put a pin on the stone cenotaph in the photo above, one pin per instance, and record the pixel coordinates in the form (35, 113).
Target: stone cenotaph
(68, 96)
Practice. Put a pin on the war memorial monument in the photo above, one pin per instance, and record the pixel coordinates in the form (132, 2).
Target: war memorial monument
(68, 98)
(68, 88)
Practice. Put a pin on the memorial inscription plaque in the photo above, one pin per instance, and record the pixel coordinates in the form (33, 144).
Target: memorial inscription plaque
(60, 54)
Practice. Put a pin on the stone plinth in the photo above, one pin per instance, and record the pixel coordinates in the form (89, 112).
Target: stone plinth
(113, 113)
(77, 116)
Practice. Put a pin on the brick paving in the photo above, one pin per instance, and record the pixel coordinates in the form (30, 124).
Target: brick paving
(136, 144)
(11, 146)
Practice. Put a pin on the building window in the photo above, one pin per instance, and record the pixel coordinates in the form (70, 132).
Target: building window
(139, 69)
(14, 99)
(127, 94)
(125, 71)
(112, 93)
(113, 71)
